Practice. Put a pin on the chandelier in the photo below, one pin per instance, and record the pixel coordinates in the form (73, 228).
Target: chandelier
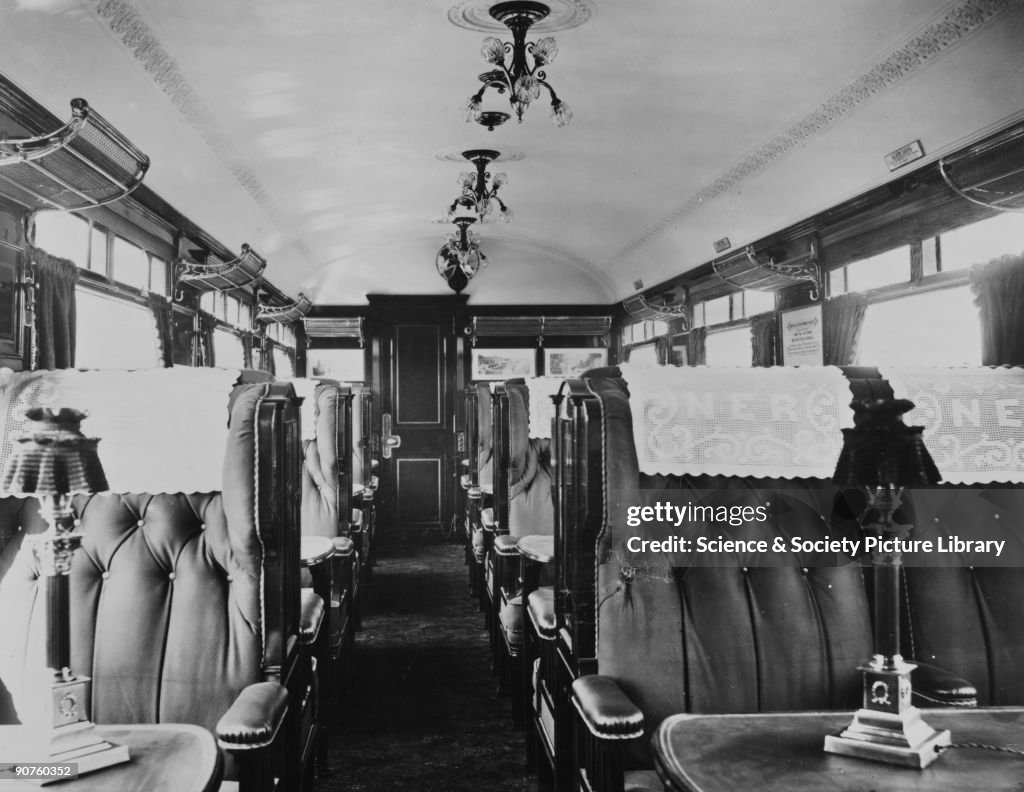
(459, 258)
(517, 77)
(480, 189)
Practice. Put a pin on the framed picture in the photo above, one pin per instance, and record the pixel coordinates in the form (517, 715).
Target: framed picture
(344, 365)
(503, 364)
(573, 362)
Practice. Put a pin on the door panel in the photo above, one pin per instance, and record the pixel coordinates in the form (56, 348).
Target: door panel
(417, 372)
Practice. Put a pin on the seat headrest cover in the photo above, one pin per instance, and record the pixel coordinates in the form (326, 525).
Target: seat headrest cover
(766, 422)
(542, 409)
(973, 419)
(179, 414)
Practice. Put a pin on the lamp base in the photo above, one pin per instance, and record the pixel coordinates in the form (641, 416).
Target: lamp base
(900, 739)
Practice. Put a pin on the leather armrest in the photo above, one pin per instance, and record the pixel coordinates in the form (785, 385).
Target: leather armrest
(937, 687)
(466, 481)
(311, 614)
(606, 711)
(356, 523)
(487, 519)
(253, 720)
(505, 545)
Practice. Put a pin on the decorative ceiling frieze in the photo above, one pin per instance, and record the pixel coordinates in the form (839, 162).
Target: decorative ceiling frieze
(915, 52)
(128, 26)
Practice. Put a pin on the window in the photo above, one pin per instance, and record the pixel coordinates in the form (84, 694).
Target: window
(98, 250)
(227, 349)
(131, 264)
(283, 364)
(717, 311)
(646, 355)
(982, 241)
(157, 275)
(938, 328)
(63, 235)
(732, 347)
(887, 268)
(114, 333)
(340, 364)
(757, 302)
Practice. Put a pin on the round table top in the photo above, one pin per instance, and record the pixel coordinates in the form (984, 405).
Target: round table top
(314, 550)
(537, 548)
(165, 757)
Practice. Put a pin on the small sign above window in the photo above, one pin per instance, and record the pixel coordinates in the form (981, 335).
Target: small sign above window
(904, 155)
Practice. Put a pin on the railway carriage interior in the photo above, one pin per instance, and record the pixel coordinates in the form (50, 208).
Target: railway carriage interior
(687, 456)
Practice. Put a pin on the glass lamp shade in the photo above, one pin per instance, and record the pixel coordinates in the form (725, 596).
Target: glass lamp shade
(53, 457)
(881, 451)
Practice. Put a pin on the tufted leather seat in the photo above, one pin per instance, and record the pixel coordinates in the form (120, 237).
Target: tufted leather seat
(184, 607)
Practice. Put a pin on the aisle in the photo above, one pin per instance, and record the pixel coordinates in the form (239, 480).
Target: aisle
(424, 714)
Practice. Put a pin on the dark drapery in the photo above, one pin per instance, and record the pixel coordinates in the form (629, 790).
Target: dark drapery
(663, 349)
(764, 339)
(998, 287)
(55, 313)
(267, 358)
(842, 318)
(207, 324)
(247, 343)
(696, 346)
(161, 309)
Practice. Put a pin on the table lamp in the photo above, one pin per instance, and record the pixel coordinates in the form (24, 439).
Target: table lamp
(52, 461)
(882, 456)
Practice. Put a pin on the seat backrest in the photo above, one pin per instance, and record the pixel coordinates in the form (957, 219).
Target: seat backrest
(529, 469)
(178, 601)
(962, 608)
(327, 460)
(682, 637)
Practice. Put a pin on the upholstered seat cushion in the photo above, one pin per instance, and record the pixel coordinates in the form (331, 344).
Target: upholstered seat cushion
(511, 620)
(540, 606)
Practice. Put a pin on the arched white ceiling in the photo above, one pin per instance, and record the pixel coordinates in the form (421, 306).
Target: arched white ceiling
(308, 129)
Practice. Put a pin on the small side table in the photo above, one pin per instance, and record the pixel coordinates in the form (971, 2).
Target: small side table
(783, 753)
(166, 757)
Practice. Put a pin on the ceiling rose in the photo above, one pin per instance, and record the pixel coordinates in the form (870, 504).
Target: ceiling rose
(563, 14)
(458, 154)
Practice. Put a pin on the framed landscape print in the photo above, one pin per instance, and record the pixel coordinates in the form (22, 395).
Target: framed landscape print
(573, 362)
(503, 364)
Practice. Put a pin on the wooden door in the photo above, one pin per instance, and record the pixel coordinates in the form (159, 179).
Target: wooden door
(417, 367)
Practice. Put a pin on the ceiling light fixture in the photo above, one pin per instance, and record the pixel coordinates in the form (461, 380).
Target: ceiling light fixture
(517, 77)
(480, 189)
(460, 258)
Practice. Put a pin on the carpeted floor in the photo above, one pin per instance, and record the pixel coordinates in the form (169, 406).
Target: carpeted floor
(424, 714)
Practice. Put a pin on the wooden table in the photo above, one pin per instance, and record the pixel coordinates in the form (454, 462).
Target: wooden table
(166, 757)
(776, 752)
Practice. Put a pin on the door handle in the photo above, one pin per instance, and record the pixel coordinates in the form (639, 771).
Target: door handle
(388, 440)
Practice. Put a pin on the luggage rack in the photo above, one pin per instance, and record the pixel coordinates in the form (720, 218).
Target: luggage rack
(283, 314)
(212, 274)
(82, 164)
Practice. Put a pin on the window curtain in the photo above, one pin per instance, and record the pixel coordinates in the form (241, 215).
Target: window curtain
(161, 309)
(207, 324)
(663, 349)
(55, 313)
(764, 339)
(267, 357)
(843, 318)
(247, 344)
(696, 346)
(998, 287)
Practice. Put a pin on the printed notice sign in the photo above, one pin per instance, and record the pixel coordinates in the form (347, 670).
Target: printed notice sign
(802, 343)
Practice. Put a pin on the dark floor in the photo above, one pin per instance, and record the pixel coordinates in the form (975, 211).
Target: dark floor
(424, 714)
